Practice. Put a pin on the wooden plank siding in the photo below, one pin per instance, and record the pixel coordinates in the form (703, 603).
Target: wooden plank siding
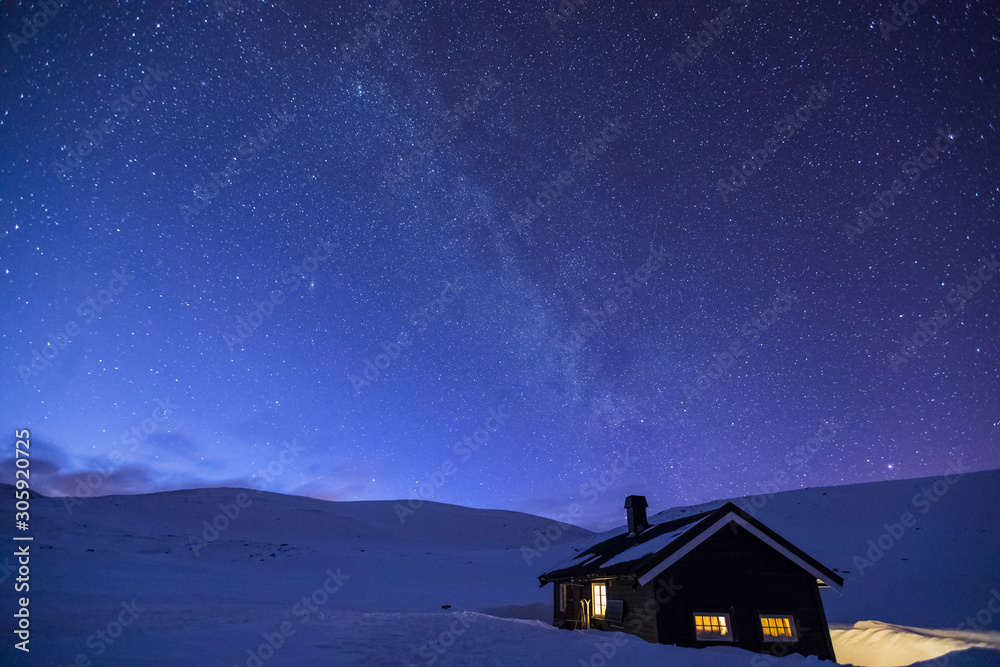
(733, 572)
(571, 618)
(640, 620)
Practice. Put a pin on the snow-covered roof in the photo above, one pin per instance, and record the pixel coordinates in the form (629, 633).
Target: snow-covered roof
(647, 548)
(650, 552)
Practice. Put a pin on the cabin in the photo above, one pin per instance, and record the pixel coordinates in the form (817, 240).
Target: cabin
(718, 578)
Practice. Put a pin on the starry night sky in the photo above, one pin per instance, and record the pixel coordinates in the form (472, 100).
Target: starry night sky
(496, 255)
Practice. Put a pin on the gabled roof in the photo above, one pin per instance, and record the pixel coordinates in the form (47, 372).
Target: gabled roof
(646, 555)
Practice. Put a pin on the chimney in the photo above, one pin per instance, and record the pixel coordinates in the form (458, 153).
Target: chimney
(636, 506)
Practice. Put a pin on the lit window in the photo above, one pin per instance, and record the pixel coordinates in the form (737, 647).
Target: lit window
(778, 629)
(712, 627)
(600, 599)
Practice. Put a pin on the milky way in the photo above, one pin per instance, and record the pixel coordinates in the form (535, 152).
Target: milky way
(513, 255)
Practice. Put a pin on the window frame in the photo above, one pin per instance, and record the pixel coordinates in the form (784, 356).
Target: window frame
(778, 640)
(728, 637)
(563, 589)
(594, 597)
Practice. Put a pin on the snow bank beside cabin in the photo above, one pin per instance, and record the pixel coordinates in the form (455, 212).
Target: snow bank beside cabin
(877, 644)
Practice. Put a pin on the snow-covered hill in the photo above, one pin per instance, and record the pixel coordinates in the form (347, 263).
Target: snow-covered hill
(236, 577)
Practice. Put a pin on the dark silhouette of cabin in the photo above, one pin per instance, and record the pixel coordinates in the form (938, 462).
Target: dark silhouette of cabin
(719, 578)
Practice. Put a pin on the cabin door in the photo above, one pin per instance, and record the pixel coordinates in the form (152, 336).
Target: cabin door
(575, 597)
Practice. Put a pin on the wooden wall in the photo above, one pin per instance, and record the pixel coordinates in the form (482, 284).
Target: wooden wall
(733, 572)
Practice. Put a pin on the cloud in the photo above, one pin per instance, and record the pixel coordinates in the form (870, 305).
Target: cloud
(38, 467)
(124, 480)
(174, 442)
(321, 490)
(49, 479)
(174, 469)
(336, 482)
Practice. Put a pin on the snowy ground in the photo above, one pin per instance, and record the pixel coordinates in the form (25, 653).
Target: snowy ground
(374, 587)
